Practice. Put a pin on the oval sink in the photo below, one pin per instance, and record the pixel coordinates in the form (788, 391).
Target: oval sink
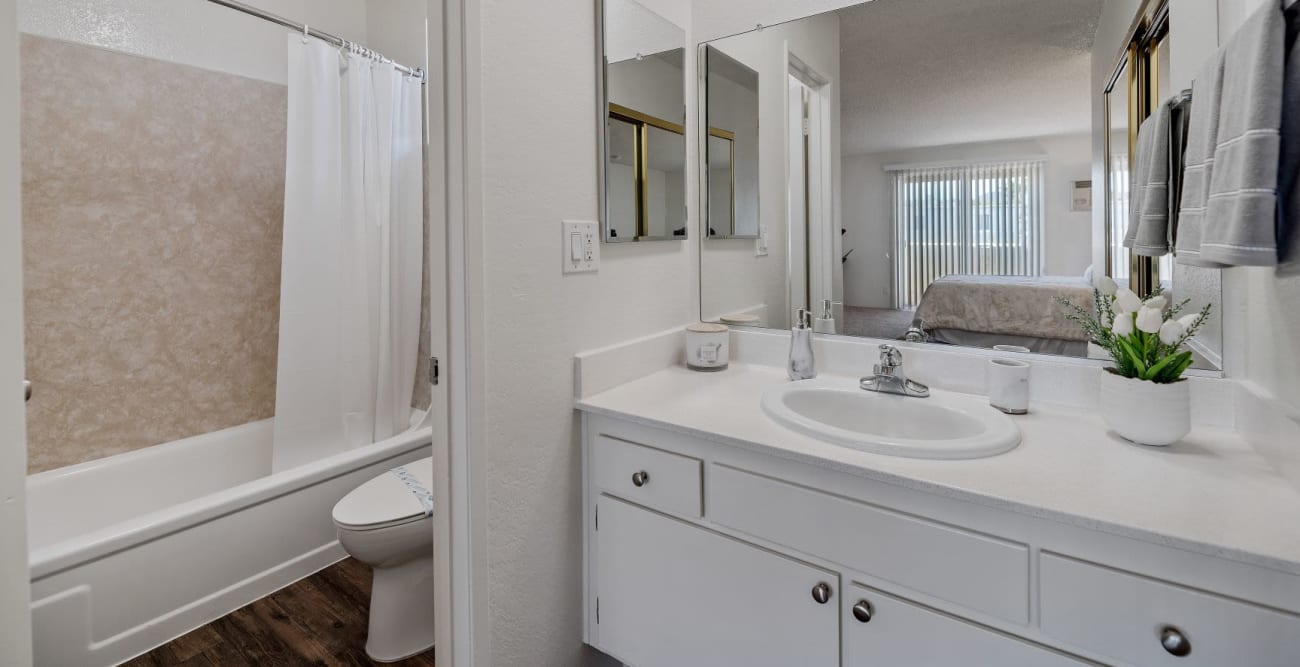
(943, 426)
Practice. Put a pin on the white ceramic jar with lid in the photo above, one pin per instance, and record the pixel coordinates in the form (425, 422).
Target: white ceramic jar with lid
(708, 347)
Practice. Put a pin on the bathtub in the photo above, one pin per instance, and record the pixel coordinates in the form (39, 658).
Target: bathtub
(134, 550)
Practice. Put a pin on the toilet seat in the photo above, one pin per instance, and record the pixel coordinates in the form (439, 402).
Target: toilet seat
(387, 500)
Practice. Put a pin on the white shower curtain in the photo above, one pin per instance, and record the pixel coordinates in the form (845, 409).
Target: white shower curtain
(353, 246)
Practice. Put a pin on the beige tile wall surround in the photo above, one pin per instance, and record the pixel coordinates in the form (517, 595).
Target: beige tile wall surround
(153, 207)
(153, 198)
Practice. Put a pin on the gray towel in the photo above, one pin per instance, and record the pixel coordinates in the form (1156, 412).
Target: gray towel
(1229, 202)
(1179, 107)
(1288, 172)
(1148, 221)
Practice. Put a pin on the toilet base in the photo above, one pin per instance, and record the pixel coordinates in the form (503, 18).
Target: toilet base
(401, 611)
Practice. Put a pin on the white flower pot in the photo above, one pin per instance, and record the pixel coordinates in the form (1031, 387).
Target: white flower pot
(1145, 412)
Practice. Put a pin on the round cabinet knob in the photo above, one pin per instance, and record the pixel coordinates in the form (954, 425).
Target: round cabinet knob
(640, 478)
(1174, 641)
(862, 611)
(822, 593)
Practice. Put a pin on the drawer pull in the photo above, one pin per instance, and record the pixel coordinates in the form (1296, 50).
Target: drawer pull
(822, 593)
(1174, 641)
(862, 611)
(640, 479)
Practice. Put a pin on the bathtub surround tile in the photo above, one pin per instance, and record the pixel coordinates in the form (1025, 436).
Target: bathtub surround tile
(152, 215)
(153, 209)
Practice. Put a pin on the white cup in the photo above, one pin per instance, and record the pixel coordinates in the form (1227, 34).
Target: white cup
(1008, 386)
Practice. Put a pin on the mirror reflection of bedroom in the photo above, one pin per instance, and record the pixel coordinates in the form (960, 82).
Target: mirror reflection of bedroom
(950, 172)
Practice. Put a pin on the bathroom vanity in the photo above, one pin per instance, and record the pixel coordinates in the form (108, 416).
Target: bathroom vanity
(714, 536)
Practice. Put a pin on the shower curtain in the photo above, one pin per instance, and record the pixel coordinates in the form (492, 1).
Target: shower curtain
(353, 247)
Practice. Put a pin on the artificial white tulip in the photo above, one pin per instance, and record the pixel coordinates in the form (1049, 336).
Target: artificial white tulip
(1171, 332)
(1149, 320)
(1157, 302)
(1126, 301)
(1188, 320)
(1123, 325)
(1107, 286)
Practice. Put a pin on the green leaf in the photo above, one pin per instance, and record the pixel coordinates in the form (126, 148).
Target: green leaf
(1155, 370)
(1182, 367)
(1134, 358)
(1177, 364)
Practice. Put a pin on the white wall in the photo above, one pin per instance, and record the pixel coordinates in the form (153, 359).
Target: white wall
(395, 28)
(652, 86)
(869, 273)
(192, 32)
(735, 279)
(534, 319)
(868, 218)
(15, 623)
(632, 29)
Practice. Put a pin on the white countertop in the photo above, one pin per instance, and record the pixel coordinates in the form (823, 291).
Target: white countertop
(1210, 493)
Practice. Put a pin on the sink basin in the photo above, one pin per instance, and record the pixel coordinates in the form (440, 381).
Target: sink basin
(943, 426)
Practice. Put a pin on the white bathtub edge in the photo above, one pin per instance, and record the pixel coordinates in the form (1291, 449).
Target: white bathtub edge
(70, 553)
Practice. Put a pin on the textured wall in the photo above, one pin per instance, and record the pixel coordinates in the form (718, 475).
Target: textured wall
(194, 32)
(152, 211)
(536, 319)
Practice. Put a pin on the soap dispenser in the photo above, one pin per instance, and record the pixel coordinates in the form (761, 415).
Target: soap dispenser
(825, 322)
(801, 366)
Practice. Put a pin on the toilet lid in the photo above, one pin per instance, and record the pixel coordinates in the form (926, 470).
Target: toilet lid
(398, 496)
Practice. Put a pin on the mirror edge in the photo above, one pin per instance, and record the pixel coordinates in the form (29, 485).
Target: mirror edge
(602, 122)
(702, 147)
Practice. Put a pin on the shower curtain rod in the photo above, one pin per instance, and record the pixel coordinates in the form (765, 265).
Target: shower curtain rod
(318, 34)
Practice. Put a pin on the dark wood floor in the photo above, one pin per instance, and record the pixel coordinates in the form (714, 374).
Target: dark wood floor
(320, 620)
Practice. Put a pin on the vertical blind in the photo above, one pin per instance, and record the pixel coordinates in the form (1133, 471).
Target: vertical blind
(1119, 214)
(984, 219)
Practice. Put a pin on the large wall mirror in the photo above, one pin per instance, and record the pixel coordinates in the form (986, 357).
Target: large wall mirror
(643, 113)
(940, 194)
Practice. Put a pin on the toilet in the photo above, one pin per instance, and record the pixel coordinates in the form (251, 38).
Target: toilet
(387, 524)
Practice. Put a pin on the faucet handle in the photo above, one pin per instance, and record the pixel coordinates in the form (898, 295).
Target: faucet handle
(890, 356)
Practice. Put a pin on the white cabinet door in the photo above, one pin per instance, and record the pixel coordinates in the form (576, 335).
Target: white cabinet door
(897, 632)
(675, 595)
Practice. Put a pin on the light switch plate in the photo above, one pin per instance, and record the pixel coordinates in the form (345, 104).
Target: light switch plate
(760, 243)
(580, 246)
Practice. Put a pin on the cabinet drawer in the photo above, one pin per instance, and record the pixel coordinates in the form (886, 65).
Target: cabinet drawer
(648, 476)
(898, 632)
(1124, 615)
(976, 571)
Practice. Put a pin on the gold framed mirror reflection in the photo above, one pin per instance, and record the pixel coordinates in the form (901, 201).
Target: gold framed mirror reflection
(643, 148)
(642, 112)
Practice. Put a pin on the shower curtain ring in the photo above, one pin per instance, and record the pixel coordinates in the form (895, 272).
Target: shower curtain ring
(305, 33)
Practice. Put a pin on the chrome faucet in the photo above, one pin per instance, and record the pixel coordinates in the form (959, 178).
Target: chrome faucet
(889, 377)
